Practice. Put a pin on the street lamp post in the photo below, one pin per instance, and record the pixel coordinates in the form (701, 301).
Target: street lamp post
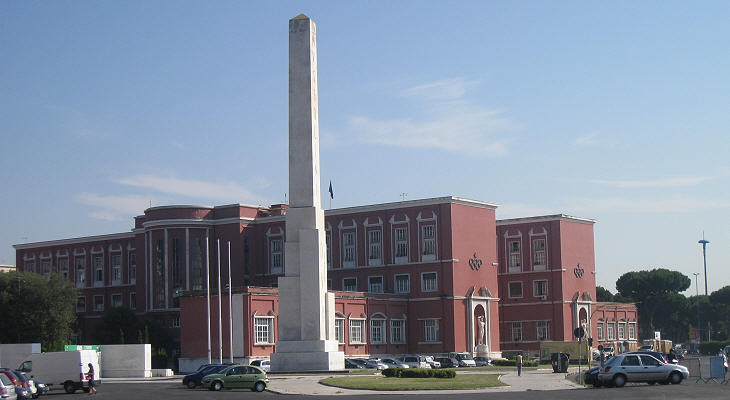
(697, 290)
(704, 243)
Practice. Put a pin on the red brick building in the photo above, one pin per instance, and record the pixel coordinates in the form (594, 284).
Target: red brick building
(409, 277)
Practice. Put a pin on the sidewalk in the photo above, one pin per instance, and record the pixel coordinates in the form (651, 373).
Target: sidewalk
(541, 379)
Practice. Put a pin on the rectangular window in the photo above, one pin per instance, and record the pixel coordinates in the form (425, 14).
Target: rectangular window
(515, 290)
(80, 271)
(263, 328)
(403, 283)
(543, 330)
(176, 260)
(328, 240)
(116, 269)
(377, 333)
(30, 266)
(329, 284)
(375, 284)
(397, 331)
(175, 322)
(375, 248)
(98, 270)
(340, 330)
(46, 269)
(515, 257)
(196, 263)
(429, 282)
(431, 330)
(540, 288)
(610, 332)
(349, 284)
(401, 245)
(132, 268)
(632, 330)
(81, 304)
(357, 330)
(133, 301)
(428, 241)
(277, 261)
(539, 258)
(599, 330)
(517, 331)
(160, 276)
(63, 267)
(98, 303)
(348, 249)
(622, 330)
(116, 300)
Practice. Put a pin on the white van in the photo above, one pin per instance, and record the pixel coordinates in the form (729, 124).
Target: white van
(415, 361)
(65, 369)
(464, 359)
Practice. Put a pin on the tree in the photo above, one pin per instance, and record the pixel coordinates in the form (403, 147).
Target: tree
(655, 293)
(37, 309)
(602, 294)
(121, 325)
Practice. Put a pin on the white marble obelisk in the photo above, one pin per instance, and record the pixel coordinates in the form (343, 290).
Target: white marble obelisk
(306, 310)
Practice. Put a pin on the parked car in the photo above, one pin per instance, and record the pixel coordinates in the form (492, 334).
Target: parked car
(263, 364)
(448, 362)
(591, 377)
(379, 363)
(238, 376)
(7, 388)
(196, 379)
(483, 361)
(41, 387)
(22, 392)
(433, 363)
(27, 383)
(465, 359)
(640, 368)
(349, 364)
(608, 351)
(415, 361)
(367, 364)
(391, 363)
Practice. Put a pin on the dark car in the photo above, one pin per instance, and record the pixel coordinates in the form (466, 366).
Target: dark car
(349, 364)
(591, 377)
(195, 379)
(448, 362)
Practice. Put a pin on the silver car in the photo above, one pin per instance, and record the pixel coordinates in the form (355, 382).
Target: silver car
(640, 368)
(391, 363)
(7, 389)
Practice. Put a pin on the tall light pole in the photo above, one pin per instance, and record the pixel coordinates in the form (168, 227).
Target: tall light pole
(704, 243)
(697, 299)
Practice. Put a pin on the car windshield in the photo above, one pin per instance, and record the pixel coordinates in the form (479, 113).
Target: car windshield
(613, 360)
(209, 369)
(465, 356)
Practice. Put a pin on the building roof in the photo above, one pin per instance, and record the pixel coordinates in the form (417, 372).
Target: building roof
(545, 218)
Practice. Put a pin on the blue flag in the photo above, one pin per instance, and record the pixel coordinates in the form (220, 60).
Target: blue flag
(332, 195)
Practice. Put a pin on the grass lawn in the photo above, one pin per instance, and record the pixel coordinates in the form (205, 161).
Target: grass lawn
(462, 381)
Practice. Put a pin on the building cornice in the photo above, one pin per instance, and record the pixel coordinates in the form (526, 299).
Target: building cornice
(411, 204)
(195, 222)
(545, 218)
(65, 242)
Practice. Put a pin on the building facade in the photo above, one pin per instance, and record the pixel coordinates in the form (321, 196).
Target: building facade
(422, 276)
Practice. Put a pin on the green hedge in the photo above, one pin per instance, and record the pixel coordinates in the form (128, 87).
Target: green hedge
(511, 363)
(418, 373)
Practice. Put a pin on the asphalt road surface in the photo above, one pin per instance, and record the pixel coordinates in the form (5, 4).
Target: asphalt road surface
(175, 390)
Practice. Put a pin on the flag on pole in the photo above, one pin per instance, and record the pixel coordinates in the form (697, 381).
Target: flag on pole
(332, 194)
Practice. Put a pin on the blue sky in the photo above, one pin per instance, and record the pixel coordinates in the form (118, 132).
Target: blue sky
(616, 111)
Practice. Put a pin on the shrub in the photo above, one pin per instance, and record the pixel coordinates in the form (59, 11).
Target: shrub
(416, 373)
(511, 363)
(392, 372)
(444, 373)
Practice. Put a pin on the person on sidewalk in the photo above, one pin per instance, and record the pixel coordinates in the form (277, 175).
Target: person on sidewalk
(90, 378)
(518, 363)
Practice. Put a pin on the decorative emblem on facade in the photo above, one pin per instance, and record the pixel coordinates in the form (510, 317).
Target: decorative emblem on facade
(475, 263)
(578, 271)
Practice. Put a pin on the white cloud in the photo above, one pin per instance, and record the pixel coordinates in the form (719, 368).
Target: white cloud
(115, 208)
(226, 192)
(654, 183)
(444, 89)
(592, 140)
(668, 204)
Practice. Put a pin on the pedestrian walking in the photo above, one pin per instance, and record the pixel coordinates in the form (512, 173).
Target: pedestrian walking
(518, 363)
(90, 378)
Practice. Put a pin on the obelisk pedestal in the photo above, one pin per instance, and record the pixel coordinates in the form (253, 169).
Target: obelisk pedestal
(306, 310)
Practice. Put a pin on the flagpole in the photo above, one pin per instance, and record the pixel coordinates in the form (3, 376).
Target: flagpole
(220, 317)
(207, 283)
(230, 307)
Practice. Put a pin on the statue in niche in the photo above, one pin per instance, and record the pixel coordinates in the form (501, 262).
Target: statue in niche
(482, 326)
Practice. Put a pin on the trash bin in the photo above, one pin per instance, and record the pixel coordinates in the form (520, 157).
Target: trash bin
(560, 361)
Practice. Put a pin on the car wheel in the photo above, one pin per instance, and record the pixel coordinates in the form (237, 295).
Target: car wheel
(217, 385)
(69, 387)
(259, 387)
(675, 378)
(191, 384)
(597, 384)
(651, 382)
(619, 380)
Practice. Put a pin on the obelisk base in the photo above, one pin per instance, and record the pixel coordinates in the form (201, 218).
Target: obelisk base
(307, 355)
